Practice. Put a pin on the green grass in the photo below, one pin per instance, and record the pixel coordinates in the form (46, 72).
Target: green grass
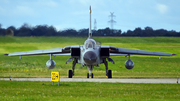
(81, 40)
(145, 66)
(73, 91)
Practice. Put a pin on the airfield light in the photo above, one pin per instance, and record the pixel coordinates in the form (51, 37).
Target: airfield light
(10, 77)
(177, 80)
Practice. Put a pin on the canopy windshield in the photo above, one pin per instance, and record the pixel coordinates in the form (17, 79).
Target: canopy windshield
(90, 43)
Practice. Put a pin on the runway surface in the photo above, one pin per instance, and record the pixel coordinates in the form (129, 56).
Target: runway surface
(155, 81)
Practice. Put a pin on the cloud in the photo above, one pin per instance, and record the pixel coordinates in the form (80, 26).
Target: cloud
(52, 4)
(94, 3)
(80, 13)
(5, 1)
(2, 10)
(162, 8)
(23, 10)
(49, 3)
(84, 2)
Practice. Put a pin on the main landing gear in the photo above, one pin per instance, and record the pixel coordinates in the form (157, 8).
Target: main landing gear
(71, 72)
(108, 72)
(90, 68)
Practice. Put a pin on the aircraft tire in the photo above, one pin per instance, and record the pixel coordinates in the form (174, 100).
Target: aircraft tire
(92, 75)
(109, 74)
(87, 75)
(70, 74)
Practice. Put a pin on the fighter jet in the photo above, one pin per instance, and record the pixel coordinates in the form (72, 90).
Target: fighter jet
(90, 54)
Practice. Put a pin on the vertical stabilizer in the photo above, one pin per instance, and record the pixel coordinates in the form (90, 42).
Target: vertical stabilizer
(90, 33)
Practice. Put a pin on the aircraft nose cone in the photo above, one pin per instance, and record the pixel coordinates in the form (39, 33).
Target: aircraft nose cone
(90, 57)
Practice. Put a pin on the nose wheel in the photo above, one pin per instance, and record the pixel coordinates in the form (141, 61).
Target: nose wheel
(90, 75)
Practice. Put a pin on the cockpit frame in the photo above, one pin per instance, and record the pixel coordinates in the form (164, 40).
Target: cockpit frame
(90, 43)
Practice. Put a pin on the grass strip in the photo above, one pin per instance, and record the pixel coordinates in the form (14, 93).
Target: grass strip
(29, 90)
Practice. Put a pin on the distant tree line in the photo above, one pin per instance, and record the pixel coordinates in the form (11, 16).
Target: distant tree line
(45, 30)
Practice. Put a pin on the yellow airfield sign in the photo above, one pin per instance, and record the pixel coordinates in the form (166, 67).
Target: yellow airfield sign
(54, 76)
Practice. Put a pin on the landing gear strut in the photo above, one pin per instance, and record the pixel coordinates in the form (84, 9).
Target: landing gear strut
(71, 72)
(108, 72)
(90, 68)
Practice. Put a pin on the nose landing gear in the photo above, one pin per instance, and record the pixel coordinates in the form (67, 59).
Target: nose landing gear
(90, 75)
(90, 68)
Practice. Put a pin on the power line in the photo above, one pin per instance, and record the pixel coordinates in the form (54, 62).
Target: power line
(112, 20)
(95, 27)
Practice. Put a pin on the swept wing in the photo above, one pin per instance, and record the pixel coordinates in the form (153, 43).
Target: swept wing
(59, 51)
(116, 50)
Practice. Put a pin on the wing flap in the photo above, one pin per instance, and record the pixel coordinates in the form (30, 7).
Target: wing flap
(36, 52)
(115, 54)
(60, 51)
(124, 51)
(142, 52)
(63, 54)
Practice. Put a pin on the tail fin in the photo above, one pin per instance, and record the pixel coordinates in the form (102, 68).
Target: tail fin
(90, 33)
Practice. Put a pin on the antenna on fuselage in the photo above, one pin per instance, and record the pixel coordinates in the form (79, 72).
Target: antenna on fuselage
(90, 33)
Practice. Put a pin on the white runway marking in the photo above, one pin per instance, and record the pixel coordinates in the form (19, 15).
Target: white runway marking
(172, 81)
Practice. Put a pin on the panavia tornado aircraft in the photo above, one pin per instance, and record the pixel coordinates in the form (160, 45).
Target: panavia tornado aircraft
(90, 54)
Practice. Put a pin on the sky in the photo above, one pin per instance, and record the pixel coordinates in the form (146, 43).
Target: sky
(64, 14)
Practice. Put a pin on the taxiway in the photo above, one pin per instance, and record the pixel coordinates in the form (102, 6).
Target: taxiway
(155, 81)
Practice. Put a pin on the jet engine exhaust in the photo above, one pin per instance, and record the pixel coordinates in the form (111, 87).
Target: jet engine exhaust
(50, 64)
(90, 57)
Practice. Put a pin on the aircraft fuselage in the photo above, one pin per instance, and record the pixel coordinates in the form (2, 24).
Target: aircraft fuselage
(90, 53)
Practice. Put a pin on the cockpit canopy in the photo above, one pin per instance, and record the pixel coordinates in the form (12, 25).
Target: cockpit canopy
(90, 43)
